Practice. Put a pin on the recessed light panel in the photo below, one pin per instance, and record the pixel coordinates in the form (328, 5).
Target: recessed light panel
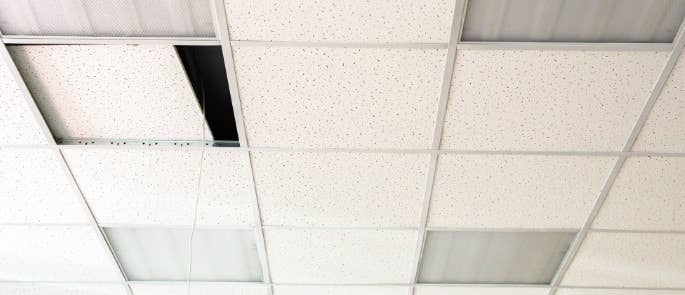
(114, 18)
(162, 254)
(493, 257)
(619, 21)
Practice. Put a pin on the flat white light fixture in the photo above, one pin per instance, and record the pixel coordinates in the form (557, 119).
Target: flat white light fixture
(619, 21)
(162, 254)
(452, 257)
(107, 18)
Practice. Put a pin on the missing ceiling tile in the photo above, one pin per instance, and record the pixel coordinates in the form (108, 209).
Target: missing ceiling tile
(493, 257)
(206, 71)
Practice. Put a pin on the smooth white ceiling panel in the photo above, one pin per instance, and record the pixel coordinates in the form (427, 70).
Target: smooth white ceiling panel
(341, 21)
(197, 289)
(616, 291)
(34, 188)
(481, 290)
(340, 189)
(149, 18)
(340, 290)
(629, 260)
(158, 186)
(162, 254)
(547, 100)
(339, 97)
(512, 191)
(648, 194)
(54, 253)
(620, 21)
(340, 256)
(111, 91)
(17, 123)
(62, 289)
(664, 130)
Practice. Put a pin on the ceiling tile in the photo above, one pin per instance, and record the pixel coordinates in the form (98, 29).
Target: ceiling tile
(339, 97)
(547, 100)
(483, 290)
(17, 123)
(514, 191)
(106, 91)
(340, 256)
(340, 189)
(648, 194)
(629, 260)
(54, 253)
(340, 290)
(158, 186)
(664, 130)
(346, 21)
(181, 288)
(616, 292)
(35, 189)
(62, 289)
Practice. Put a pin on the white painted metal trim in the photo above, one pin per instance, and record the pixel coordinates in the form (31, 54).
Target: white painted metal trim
(69, 40)
(333, 44)
(469, 45)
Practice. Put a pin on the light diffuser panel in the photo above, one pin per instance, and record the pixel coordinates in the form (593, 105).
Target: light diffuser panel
(492, 257)
(162, 254)
(620, 21)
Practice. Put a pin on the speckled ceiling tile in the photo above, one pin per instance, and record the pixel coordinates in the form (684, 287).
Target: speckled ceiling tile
(17, 123)
(62, 289)
(340, 256)
(664, 130)
(158, 187)
(340, 189)
(629, 260)
(508, 191)
(180, 288)
(54, 253)
(339, 97)
(648, 194)
(350, 21)
(111, 91)
(547, 100)
(617, 291)
(482, 290)
(340, 290)
(36, 189)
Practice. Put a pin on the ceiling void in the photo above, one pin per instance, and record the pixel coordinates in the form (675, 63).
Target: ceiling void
(492, 257)
(620, 21)
(206, 71)
(162, 254)
(120, 18)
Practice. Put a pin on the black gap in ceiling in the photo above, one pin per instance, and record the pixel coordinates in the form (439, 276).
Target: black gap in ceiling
(205, 68)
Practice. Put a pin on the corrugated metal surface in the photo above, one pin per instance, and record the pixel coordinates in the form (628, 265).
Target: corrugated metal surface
(110, 18)
(493, 257)
(620, 21)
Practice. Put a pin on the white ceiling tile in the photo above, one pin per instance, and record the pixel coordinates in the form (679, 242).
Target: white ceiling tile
(54, 253)
(62, 289)
(664, 130)
(196, 289)
(340, 256)
(340, 290)
(616, 292)
(512, 191)
(111, 91)
(339, 97)
(648, 194)
(629, 260)
(17, 123)
(444, 290)
(547, 100)
(36, 189)
(340, 189)
(347, 21)
(158, 186)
